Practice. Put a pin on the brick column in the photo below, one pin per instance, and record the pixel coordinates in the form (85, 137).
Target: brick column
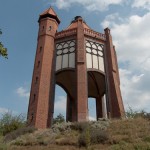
(69, 109)
(81, 72)
(41, 104)
(114, 99)
(99, 109)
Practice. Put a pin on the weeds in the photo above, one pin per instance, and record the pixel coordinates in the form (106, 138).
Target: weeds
(9, 123)
(132, 133)
(13, 135)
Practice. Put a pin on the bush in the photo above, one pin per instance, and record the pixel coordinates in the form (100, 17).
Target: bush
(9, 123)
(21, 131)
(61, 127)
(101, 124)
(84, 138)
(3, 146)
(80, 126)
(98, 136)
(59, 119)
(131, 113)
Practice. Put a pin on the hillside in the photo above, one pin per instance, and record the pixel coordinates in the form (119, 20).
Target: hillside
(123, 134)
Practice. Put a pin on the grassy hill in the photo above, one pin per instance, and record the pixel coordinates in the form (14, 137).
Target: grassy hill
(123, 134)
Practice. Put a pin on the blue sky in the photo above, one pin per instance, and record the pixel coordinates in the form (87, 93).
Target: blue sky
(128, 20)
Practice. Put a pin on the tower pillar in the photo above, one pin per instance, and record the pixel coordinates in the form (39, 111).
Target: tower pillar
(43, 81)
(115, 107)
(99, 108)
(81, 73)
(69, 109)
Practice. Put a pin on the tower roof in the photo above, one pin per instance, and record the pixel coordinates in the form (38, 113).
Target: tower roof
(74, 23)
(50, 13)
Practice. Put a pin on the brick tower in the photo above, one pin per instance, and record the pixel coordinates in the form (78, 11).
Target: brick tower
(83, 62)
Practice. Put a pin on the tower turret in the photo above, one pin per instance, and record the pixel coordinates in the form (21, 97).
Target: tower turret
(41, 103)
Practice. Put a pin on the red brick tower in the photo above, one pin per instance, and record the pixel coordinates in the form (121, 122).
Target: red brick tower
(40, 109)
(83, 62)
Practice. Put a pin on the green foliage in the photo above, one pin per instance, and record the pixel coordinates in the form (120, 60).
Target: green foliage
(59, 119)
(9, 123)
(21, 131)
(130, 113)
(92, 132)
(80, 126)
(40, 138)
(135, 114)
(3, 146)
(61, 127)
(84, 138)
(3, 50)
(98, 136)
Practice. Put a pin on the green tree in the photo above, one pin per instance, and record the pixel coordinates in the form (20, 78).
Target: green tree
(3, 50)
(59, 119)
(9, 122)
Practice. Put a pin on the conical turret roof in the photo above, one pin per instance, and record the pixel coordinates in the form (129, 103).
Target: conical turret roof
(50, 13)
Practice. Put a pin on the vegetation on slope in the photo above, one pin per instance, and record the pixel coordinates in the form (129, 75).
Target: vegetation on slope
(132, 133)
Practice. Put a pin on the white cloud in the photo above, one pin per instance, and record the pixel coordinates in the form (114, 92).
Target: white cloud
(131, 37)
(141, 4)
(137, 98)
(90, 5)
(92, 118)
(7, 110)
(3, 110)
(111, 19)
(60, 104)
(23, 92)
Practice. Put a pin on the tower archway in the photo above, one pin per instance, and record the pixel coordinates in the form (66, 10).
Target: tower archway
(92, 109)
(67, 80)
(60, 101)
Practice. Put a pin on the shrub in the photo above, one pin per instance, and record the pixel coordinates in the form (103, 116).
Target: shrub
(98, 136)
(66, 141)
(80, 126)
(61, 127)
(84, 138)
(131, 113)
(3, 146)
(21, 131)
(9, 123)
(59, 119)
(101, 124)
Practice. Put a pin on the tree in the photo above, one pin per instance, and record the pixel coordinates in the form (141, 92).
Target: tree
(3, 50)
(59, 119)
(9, 122)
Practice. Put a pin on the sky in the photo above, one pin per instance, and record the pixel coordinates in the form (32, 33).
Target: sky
(128, 20)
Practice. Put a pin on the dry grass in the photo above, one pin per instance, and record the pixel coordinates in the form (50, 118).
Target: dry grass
(127, 134)
(129, 130)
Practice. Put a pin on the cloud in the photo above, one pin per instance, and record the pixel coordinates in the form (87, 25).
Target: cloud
(133, 93)
(60, 104)
(92, 118)
(7, 110)
(3, 110)
(145, 4)
(90, 5)
(23, 92)
(131, 38)
(110, 20)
